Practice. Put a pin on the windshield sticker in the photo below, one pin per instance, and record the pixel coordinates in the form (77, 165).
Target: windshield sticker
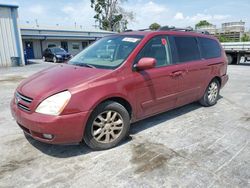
(127, 39)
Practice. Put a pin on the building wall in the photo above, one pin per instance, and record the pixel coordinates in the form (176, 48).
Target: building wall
(43, 37)
(10, 39)
(233, 27)
(39, 45)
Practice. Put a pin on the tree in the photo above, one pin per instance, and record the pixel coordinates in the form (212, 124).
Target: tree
(245, 38)
(110, 15)
(226, 39)
(154, 26)
(202, 23)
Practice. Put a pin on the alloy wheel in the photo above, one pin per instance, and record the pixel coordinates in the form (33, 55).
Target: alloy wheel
(213, 92)
(107, 126)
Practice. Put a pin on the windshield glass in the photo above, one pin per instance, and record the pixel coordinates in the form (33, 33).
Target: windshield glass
(57, 50)
(107, 53)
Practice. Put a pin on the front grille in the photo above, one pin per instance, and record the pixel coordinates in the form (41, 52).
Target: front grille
(23, 101)
(23, 98)
(26, 108)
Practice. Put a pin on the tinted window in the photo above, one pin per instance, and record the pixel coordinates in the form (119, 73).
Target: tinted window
(187, 49)
(157, 48)
(209, 48)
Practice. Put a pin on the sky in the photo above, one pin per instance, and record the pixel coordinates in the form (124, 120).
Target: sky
(180, 13)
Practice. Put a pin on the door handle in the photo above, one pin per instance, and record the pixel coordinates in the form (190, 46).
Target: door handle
(176, 73)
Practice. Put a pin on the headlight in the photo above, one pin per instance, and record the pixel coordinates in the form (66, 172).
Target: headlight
(54, 104)
(58, 56)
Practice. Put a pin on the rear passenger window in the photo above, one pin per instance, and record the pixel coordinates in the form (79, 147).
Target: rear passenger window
(158, 48)
(187, 49)
(209, 48)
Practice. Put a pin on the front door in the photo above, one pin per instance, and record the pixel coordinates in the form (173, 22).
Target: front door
(29, 49)
(64, 45)
(156, 88)
(85, 44)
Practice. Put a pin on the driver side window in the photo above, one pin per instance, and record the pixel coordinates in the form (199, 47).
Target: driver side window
(158, 48)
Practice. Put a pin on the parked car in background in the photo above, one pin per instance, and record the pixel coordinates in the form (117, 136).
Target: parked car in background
(56, 54)
(118, 80)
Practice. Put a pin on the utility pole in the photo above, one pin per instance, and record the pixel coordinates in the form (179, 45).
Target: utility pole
(95, 25)
(36, 23)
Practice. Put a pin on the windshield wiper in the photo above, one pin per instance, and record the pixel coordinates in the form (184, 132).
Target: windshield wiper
(84, 65)
(88, 65)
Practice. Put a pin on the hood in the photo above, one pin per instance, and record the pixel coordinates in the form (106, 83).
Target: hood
(57, 79)
(61, 53)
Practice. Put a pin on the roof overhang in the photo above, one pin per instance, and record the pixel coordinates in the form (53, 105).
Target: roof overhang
(55, 37)
(9, 5)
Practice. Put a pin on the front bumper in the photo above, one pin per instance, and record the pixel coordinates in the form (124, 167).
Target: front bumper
(65, 129)
(62, 59)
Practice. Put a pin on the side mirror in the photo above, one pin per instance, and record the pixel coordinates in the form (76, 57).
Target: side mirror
(145, 63)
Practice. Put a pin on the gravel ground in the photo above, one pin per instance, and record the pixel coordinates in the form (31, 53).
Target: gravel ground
(192, 146)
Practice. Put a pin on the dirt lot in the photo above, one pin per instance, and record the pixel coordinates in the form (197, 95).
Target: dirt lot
(191, 146)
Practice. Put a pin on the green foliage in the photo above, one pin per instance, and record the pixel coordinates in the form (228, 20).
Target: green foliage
(154, 26)
(225, 39)
(110, 15)
(202, 23)
(245, 38)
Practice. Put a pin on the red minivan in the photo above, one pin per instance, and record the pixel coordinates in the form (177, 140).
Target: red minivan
(116, 81)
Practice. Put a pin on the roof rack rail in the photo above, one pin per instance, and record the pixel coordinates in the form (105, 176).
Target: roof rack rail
(202, 32)
(172, 28)
(146, 29)
(129, 30)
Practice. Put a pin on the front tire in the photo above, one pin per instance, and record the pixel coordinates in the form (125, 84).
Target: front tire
(211, 95)
(54, 60)
(107, 126)
(44, 59)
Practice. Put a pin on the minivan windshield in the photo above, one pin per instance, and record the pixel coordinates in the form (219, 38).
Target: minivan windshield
(108, 52)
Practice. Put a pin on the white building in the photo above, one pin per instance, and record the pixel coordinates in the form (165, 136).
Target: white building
(36, 39)
(11, 51)
(210, 28)
(233, 27)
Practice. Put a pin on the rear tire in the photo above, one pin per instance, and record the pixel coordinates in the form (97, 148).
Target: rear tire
(232, 59)
(211, 94)
(107, 126)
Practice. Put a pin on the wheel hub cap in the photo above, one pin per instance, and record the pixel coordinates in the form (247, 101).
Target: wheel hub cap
(212, 92)
(107, 126)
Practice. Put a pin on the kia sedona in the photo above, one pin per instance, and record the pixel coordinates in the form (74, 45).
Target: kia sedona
(56, 55)
(118, 80)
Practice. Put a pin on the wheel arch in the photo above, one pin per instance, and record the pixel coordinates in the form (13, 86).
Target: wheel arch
(217, 78)
(120, 100)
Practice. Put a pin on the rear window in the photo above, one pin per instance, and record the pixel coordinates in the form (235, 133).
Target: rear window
(209, 48)
(187, 48)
